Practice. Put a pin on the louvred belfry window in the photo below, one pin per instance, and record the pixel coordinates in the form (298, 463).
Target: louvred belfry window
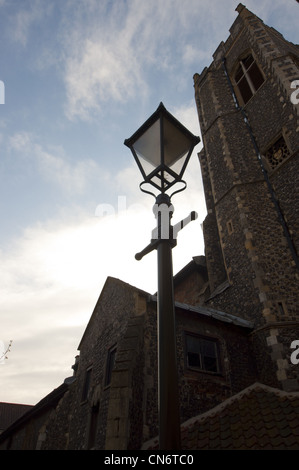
(248, 78)
(277, 153)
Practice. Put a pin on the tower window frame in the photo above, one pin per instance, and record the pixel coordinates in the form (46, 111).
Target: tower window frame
(248, 77)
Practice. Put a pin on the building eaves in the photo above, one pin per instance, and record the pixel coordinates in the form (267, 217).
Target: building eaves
(211, 313)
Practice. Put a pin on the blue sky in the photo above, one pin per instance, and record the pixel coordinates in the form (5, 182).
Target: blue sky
(80, 77)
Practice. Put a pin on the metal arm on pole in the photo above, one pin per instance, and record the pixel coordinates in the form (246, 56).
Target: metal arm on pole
(152, 246)
(173, 232)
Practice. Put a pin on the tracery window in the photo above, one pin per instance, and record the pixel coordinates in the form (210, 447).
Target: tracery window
(277, 153)
(248, 78)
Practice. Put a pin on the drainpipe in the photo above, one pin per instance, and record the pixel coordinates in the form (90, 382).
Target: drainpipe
(264, 171)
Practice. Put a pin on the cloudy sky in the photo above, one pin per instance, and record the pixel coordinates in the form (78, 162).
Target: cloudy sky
(80, 76)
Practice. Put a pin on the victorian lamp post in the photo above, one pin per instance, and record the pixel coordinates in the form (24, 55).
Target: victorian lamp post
(162, 147)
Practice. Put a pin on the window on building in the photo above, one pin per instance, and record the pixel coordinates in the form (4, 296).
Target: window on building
(230, 227)
(202, 353)
(87, 382)
(110, 364)
(277, 153)
(93, 426)
(248, 78)
(281, 308)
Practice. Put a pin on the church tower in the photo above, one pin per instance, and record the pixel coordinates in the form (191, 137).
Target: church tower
(248, 112)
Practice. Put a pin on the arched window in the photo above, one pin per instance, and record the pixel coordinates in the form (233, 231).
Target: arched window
(248, 78)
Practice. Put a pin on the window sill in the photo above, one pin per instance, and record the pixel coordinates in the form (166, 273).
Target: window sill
(194, 372)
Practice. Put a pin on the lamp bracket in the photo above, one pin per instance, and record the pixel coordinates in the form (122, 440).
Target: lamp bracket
(169, 234)
(144, 190)
(154, 195)
(181, 189)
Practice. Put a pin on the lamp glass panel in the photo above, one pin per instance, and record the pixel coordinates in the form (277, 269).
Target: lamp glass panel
(147, 148)
(176, 146)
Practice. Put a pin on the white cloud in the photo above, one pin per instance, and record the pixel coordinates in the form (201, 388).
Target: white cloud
(113, 58)
(99, 73)
(73, 177)
(55, 166)
(23, 19)
(20, 141)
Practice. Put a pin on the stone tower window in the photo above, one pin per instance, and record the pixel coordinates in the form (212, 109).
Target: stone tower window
(248, 78)
(277, 153)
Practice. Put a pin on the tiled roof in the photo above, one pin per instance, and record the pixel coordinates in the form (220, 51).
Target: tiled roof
(258, 418)
(48, 402)
(10, 412)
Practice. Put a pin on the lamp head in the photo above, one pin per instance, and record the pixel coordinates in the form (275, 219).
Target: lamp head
(162, 147)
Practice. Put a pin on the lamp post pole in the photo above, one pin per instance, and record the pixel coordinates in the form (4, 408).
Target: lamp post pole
(169, 416)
